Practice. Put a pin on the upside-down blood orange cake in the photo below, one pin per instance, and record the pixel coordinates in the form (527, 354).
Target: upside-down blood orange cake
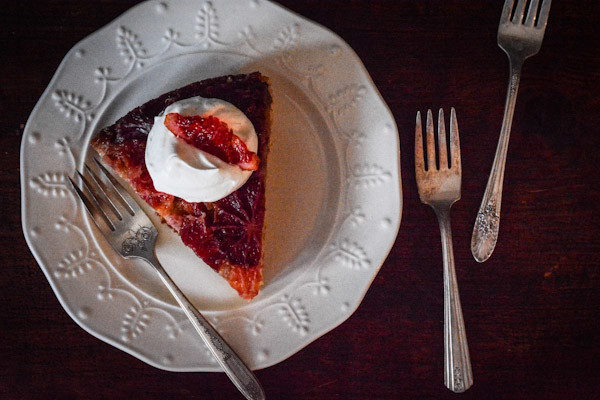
(226, 233)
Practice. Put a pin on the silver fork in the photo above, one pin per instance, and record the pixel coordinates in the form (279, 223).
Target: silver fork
(520, 35)
(440, 188)
(131, 234)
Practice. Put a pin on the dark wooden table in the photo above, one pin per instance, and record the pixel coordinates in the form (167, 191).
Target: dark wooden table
(532, 311)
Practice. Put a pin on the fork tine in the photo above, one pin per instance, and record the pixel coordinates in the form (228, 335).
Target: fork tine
(519, 11)
(430, 142)
(454, 142)
(101, 192)
(119, 191)
(442, 150)
(419, 158)
(532, 12)
(543, 17)
(506, 10)
(92, 208)
(96, 199)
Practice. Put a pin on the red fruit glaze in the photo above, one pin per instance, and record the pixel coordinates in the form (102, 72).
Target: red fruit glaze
(213, 136)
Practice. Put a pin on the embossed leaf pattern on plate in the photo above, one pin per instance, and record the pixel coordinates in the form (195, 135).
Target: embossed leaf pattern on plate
(75, 264)
(207, 27)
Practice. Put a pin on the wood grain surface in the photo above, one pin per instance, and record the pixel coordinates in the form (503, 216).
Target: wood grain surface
(532, 311)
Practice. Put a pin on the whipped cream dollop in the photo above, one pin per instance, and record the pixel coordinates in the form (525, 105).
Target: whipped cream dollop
(182, 170)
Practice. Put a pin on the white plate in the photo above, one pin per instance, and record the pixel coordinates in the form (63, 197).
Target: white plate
(333, 197)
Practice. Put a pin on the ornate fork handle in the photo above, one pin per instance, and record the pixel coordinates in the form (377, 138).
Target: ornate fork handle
(458, 375)
(485, 231)
(233, 366)
(131, 234)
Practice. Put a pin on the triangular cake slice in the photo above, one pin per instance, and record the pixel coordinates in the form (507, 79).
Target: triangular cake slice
(227, 234)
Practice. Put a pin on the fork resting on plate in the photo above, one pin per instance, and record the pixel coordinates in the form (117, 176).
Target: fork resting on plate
(131, 234)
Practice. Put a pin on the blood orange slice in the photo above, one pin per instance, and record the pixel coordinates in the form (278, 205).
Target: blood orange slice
(213, 136)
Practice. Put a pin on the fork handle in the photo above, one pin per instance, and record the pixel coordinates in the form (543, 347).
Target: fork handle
(234, 367)
(487, 223)
(458, 375)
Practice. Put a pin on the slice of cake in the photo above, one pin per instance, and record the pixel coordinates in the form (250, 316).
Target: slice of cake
(226, 233)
